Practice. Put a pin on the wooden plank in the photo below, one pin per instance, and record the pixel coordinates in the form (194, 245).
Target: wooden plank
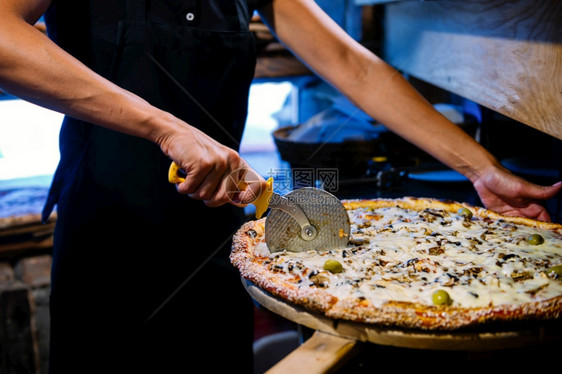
(19, 234)
(321, 353)
(505, 55)
(280, 66)
(468, 341)
(32, 230)
(25, 247)
(17, 239)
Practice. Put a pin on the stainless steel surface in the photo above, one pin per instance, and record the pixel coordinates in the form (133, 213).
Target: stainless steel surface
(308, 232)
(324, 212)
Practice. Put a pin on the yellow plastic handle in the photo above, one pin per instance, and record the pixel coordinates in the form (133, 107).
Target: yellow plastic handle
(173, 176)
(262, 201)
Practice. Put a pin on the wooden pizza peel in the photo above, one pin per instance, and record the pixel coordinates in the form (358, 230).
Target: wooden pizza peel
(336, 341)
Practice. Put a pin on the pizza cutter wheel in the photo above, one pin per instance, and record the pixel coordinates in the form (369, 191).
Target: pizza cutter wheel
(306, 219)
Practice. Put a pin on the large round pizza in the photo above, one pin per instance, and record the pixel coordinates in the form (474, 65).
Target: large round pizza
(417, 263)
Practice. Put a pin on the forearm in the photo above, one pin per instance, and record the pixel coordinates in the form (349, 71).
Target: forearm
(373, 85)
(34, 68)
(385, 95)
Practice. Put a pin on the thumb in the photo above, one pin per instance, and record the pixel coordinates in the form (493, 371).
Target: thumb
(543, 192)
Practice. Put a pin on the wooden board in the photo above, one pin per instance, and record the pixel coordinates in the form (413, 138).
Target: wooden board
(24, 233)
(321, 353)
(486, 340)
(279, 66)
(505, 55)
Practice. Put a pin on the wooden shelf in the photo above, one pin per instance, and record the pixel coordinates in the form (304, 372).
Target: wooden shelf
(276, 62)
(504, 55)
(22, 234)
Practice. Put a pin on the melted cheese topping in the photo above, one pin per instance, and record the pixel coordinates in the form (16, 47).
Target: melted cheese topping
(405, 255)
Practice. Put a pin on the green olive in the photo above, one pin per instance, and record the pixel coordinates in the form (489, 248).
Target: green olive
(441, 297)
(535, 239)
(556, 269)
(333, 266)
(465, 212)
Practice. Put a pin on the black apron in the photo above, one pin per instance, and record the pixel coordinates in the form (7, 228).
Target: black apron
(132, 286)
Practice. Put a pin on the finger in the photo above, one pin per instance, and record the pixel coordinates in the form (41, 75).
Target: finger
(239, 188)
(535, 211)
(228, 187)
(219, 198)
(534, 191)
(544, 216)
(210, 185)
(194, 177)
(191, 183)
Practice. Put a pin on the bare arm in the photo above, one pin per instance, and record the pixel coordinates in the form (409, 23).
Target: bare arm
(386, 96)
(34, 68)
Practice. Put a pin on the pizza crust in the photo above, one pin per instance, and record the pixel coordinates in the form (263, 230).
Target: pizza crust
(250, 237)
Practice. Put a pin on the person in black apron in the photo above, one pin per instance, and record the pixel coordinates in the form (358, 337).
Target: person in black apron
(126, 243)
(140, 276)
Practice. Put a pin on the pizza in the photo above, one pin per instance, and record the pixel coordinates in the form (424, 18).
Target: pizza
(417, 263)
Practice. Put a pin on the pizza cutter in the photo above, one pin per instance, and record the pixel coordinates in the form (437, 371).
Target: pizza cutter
(304, 219)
